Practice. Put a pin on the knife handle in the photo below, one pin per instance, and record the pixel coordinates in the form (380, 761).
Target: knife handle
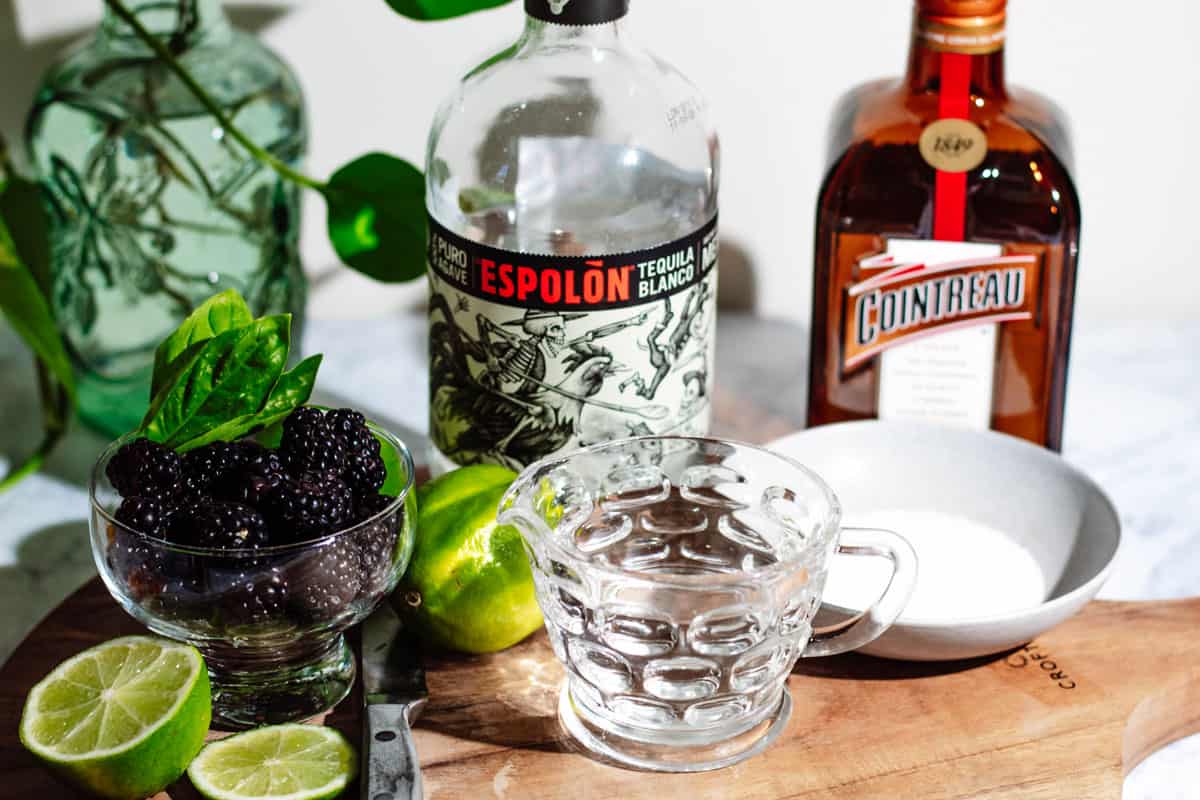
(390, 769)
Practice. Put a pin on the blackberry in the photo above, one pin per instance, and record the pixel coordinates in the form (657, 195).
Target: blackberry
(376, 543)
(256, 595)
(208, 465)
(184, 596)
(367, 506)
(136, 563)
(350, 427)
(303, 417)
(365, 470)
(148, 515)
(308, 506)
(225, 525)
(252, 488)
(366, 473)
(260, 471)
(260, 459)
(145, 469)
(323, 583)
(193, 489)
(309, 444)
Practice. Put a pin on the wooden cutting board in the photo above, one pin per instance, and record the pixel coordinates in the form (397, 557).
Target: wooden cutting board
(1063, 719)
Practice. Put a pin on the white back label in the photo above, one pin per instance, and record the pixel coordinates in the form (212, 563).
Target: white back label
(946, 376)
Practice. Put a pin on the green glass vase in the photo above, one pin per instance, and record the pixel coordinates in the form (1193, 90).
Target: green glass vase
(153, 206)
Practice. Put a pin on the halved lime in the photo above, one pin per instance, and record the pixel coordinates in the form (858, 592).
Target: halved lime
(296, 762)
(122, 719)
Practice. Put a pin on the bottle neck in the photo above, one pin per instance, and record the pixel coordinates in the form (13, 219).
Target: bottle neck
(547, 34)
(181, 24)
(975, 44)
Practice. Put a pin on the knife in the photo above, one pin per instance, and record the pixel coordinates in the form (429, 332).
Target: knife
(393, 695)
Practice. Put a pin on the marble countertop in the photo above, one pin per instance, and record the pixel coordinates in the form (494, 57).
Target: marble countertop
(1133, 424)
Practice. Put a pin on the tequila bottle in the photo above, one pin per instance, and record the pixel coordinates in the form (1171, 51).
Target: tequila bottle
(572, 197)
(153, 208)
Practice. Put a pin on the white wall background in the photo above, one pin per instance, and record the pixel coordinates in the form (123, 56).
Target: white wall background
(772, 69)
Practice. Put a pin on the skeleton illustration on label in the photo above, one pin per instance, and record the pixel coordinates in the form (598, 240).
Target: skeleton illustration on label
(512, 384)
(664, 356)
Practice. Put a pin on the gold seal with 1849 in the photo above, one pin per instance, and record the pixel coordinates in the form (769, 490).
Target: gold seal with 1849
(953, 145)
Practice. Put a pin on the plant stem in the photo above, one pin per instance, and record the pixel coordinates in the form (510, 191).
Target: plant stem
(56, 415)
(58, 401)
(6, 167)
(209, 104)
(29, 466)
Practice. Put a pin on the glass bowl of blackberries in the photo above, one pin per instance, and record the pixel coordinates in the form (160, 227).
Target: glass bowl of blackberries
(261, 552)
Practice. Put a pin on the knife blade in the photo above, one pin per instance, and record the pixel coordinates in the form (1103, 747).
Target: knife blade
(393, 695)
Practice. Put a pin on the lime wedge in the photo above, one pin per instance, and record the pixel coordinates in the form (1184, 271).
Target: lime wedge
(123, 719)
(290, 762)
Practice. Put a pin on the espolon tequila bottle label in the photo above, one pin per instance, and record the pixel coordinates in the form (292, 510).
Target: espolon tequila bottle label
(533, 354)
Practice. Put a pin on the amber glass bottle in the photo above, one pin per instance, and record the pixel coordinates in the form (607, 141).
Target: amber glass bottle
(947, 239)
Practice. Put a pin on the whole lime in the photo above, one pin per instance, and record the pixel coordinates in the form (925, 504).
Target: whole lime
(469, 587)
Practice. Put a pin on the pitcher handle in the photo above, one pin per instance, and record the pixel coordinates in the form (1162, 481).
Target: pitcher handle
(870, 624)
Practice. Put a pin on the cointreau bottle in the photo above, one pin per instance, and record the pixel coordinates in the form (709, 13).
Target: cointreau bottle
(572, 197)
(947, 240)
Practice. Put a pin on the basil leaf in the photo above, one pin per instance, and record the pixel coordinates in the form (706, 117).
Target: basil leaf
(170, 397)
(291, 392)
(475, 199)
(220, 313)
(26, 309)
(23, 210)
(376, 217)
(230, 376)
(271, 435)
(397, 475)
(426, 10)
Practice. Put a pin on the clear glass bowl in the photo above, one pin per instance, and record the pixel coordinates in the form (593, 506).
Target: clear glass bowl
(269, 621)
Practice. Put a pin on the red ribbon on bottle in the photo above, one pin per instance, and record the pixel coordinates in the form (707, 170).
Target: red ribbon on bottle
(950, 188)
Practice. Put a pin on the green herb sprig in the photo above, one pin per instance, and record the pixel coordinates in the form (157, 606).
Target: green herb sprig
(220, 376)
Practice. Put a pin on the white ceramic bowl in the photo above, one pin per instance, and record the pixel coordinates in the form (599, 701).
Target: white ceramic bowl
(1053, 516)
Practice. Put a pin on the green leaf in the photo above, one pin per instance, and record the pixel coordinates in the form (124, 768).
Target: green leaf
(426, 10)
(292, 391)
(24, 293)
(475, 199)
(271, 435)
(24, 212)
(397, 474)
(23, 303)
(228, 376)
(376, 217)
(220, 313)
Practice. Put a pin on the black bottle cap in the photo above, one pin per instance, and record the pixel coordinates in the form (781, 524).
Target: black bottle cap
(577, 12)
